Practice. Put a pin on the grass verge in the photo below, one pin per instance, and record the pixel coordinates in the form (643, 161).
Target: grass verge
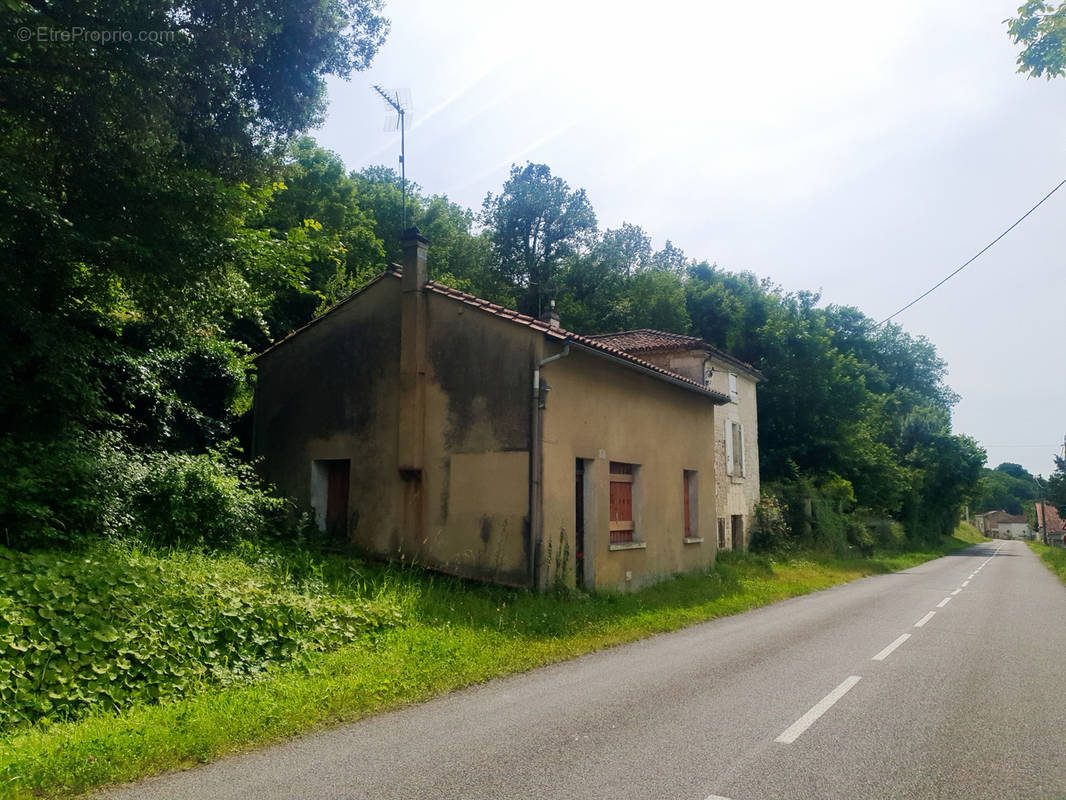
(454, 634)
(1053, 557)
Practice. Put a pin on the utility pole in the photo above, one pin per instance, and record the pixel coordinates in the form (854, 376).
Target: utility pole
(1043, 511)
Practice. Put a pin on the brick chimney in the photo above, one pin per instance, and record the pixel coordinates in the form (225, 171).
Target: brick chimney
(412, 354)
(550, 316)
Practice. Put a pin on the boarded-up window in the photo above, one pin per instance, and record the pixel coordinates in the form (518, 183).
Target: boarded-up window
(691, 503)
(622, 527)
(734, 395)
(721, 533)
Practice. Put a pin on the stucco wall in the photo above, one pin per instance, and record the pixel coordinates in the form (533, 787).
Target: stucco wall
(1011, 530)
(478, 411)
(331, 392)
(602, 413)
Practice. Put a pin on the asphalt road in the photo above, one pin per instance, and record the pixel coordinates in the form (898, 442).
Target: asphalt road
(947, 680)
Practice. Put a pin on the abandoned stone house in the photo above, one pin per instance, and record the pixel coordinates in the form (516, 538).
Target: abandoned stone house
(423, 422)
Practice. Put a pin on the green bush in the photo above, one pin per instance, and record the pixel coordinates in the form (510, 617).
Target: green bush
(859, 536)
(106, 628)
(63, 491)
(770, 532)
(78, 489)
(211, 498)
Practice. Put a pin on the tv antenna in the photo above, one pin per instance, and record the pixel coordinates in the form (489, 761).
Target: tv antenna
(400, 102)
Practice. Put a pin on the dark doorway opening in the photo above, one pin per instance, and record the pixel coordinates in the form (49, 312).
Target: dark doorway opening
(330, 479)
(738, 531)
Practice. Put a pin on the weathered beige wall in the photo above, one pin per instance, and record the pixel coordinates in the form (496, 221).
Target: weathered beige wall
(478, 411)
(603, 412)
(736, 494)
(331, 392)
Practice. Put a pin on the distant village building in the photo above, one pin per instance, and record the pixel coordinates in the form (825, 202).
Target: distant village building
(1001, 525)
(1050, 523)
(423, 423)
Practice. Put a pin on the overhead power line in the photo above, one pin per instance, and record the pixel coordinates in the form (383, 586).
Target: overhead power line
(985, 249)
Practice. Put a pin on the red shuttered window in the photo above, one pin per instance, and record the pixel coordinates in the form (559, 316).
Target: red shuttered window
(622, 528)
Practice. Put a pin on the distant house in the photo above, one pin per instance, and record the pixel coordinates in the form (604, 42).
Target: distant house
(1001, 525)
(423, 423)
(1049, 521)
(736, 427)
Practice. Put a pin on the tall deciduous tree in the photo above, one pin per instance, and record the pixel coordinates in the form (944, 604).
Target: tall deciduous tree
(536, 222)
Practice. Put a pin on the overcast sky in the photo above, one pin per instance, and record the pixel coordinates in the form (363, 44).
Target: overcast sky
(865, 150)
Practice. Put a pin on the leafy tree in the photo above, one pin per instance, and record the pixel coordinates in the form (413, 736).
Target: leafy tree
(624, 250)
(671, 258)
(1056, 486)
(1041, 29)
(1008, 487)
(134, 175)
(949, 468)
(457, 255)
(536, 223)
(316, 199)
(618, 284)
(126, 167)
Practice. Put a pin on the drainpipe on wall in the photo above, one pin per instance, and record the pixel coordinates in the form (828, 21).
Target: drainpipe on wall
(536, 467)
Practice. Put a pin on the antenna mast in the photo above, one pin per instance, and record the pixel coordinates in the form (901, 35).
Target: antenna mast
(401, 123)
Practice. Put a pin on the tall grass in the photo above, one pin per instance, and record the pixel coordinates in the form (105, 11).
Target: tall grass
(1053, 557)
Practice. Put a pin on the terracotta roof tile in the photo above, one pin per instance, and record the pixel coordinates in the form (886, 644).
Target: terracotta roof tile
(1054, 521)
(645, 340)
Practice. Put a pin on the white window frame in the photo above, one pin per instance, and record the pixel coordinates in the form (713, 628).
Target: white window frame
(734, 392)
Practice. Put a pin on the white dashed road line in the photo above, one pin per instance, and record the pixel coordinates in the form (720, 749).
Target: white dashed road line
(888, 650)
(796, 729)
